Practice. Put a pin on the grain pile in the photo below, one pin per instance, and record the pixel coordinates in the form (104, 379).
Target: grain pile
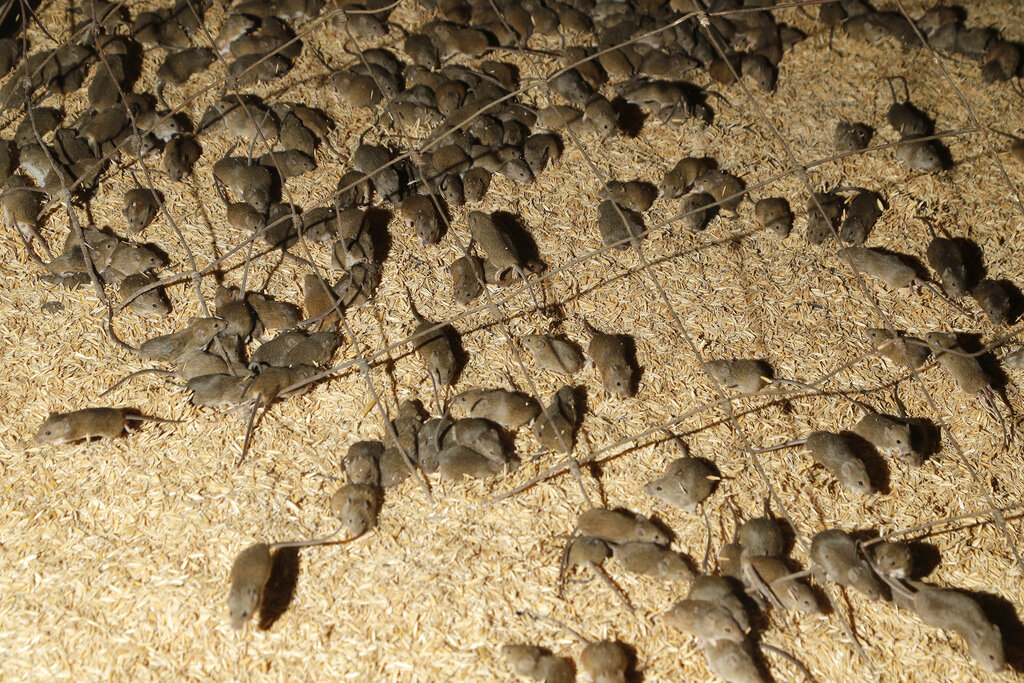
(116, 553)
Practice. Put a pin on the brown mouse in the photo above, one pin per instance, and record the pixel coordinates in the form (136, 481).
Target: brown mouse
(608, 351)
(651, 559)
(467, 273)
(420, 213)
(954, 611)
(140, 208)
(617, 225)
(197, 335)
(433, 346)
(633, 195)
(900, 349)
(889, 435)
(179, 66)
(216, 391)
(250, 182)
(151, 302)
(619, 527)
(774, 215)
(892, 559)
(993, 300)
(824, 221)
(774, 574)
(685, 483)
(834, 453)
(605, 661)
(506, 408)
(499, 247)
(62, 428)
(966, 372)
(479, 435)
(862, 212)
(21, 211)
(356, 505)
(888, 268)
(250, 572)
(555, 426)
(554, 354)
(679, 179)
(947, 260)
(851, 137)
(707, 620)
(321, 302)
(316, 350)
(361, 462)
(180, 155)
(457, 461)
(273, 314)
(532, 662)
(835, 553)
(746, 376)
(732, 662)
(722, 591)
(726, 188)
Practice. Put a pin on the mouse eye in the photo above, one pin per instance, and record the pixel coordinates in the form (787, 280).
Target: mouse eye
(657, 487)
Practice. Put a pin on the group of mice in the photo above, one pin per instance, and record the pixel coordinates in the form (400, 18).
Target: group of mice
(477, 127)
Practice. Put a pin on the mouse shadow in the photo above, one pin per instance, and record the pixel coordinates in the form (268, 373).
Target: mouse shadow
(1016, 299)
(631, 117)
(973, 259)
(280, 588)
(376, 221)
(874, 462)
(925, 437)
(512, 226)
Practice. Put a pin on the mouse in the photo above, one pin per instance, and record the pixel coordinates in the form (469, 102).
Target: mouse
(506, 408)
(761, 537)
(774, 215)
(555, 426)
(457, 461)
(356, 505)
(475, 183)
(759, 69)
(619, 527)
(406, 426)
(722, 591)
(250, 572)
(633, 195)
(553, 353)
(434, 348)
(274, 352)
(651, 559)
(834, 453)
(966, 372)
(696, 210)
(532, 662)
(954, 611)
(196, 335)
(320, 303)
(617, 225)
(680, 178)
(685, 483)
(140, 207)
(608, 352)
(890, 269)
(180, 155)
(499, 247)
(361, 462)
(216, 391)
(709, 621)
(726, 188)
(315, 350)
(479, 435)
(273, 314)
(287, 163)
(420, 214)
(775, 575)
(152, 302)
(746, 376)
(823, 222)
(354, 189)
(993, 300)
(605, 661)
(862, 212)
(892, 559)
(371, 160)
(467, 273)
(901, 349)
(180, 66)
(947, 260)
(732, 661)
(889, 435)
(851, 137)
(251, 182)
(835, 553)
(62, 428)
(539, 150)
(21, 211)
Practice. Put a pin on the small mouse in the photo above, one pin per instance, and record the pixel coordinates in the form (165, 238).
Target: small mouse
(140, 208)
(834, 453)
(216, 391)
(685, 483)
(356, 505)
(531, 661)
(822, 223)
(617, 225)
(316, 350)
(467, 273)
(862, 212)
(552, 353)
(250, 182)
(774, 574)
(506, 408)
(274, 352)
(605, 661)
(851, 137)
(888, 268)
(433, 346)
(539, 150)
(746, 376)
(726, 188)
(273, 314)
(62, 428)
(993, 300)
(250, 572)
(947, 260)
(732, 662)
(420, 214)
(720, 590)
(458, 461)
(902, 350)
(966, 372)
(475, 183)
(608, 352)
(761, 537)
(371, 160)
(633, 195)
(954, 611)
(499, 247)
(197, 335)
(893, 559)
(555, 426)
(179, 66)
(480, 435)
(774, 215)
(651, 559)
(679, 179)
(361, 462)
(320, 301)
(708, 621)
(835, 553)
(151, 302)
(619, 527)
(889, 435)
